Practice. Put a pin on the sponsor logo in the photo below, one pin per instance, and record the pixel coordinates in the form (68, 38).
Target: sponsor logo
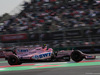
(26, 50)
(41, 56)
(14, 37)
(89, 56)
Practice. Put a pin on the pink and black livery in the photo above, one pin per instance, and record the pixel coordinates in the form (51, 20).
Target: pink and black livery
(20, 55)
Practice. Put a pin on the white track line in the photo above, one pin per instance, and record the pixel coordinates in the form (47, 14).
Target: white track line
(49, 63)
(97, 56)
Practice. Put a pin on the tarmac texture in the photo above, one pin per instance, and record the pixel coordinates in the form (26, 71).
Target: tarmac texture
(86, 67)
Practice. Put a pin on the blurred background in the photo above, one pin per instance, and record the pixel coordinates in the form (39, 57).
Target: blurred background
(61, 24)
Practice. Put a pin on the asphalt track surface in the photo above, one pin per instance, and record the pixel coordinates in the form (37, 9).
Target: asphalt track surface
(68, 70)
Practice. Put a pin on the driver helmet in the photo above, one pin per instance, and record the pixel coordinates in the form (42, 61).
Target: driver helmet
(44, 45)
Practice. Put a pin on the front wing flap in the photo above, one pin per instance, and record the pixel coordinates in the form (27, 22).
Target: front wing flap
(90, 57)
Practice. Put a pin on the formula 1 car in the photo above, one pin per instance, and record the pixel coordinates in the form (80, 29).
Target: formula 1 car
(17, 56)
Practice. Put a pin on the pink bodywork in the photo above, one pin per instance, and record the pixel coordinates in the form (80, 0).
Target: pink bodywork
(31, 53)
(41, 54)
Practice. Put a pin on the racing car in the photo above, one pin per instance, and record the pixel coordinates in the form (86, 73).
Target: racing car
(17, 56)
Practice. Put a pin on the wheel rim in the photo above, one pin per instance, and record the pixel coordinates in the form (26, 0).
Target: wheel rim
(13, 60)
(76, 56)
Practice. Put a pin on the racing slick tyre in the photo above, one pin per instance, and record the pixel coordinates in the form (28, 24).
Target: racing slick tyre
(77, 56)
(13, 60)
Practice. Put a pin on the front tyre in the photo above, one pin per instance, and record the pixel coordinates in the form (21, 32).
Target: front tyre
(77, 56)
(13, 60)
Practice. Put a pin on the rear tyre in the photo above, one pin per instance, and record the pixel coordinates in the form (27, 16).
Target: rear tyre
(77, 56)
(13, 60)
